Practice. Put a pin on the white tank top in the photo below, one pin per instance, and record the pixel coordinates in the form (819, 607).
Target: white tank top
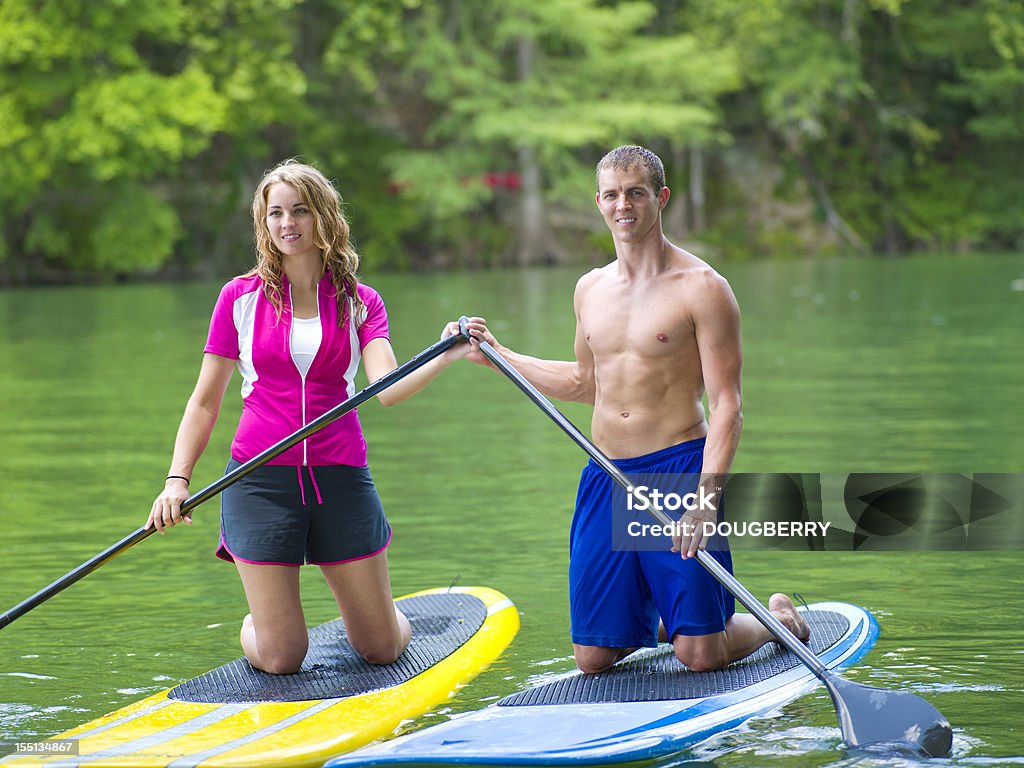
(306, 337)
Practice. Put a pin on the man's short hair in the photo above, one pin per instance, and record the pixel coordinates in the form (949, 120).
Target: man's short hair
(629, 156)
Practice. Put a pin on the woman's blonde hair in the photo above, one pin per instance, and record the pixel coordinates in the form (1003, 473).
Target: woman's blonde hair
(330, 234)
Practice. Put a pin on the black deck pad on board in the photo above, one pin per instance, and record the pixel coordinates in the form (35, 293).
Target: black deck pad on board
(441, 623)
(656, 675)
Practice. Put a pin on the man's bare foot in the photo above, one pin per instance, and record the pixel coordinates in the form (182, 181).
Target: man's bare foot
(784, 610)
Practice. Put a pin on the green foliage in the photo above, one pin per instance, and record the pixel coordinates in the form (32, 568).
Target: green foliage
(559, 79)
(939, 209)
(137, 125)
(104, 106)
(901, 115)
(131, 134)
(128, 229)
(566, 74)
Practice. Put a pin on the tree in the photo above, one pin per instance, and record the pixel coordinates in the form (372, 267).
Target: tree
(102, 111)
(466, 132)
(530, 88)
(899, 116)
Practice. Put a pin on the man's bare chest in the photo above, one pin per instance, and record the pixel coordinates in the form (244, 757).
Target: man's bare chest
(649, 324)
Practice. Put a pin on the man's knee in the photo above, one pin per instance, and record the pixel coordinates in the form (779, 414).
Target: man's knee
(589, 666)
(592, 660)
(701, 662)
(703, 654)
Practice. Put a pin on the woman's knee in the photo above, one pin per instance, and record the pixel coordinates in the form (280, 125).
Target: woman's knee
(281, 663)
(378, 650)
(278, 654)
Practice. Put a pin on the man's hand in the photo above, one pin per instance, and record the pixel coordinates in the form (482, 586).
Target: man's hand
(477, 327)
(695, 528)
(690, 531)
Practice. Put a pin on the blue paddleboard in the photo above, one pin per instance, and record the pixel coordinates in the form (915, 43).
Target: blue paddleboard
(646, 706)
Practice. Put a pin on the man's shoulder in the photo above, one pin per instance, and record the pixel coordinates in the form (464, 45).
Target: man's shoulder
(693, 271)
(596, 275)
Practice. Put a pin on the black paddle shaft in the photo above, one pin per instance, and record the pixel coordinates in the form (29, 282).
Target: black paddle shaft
(866, 715)
(193, 501)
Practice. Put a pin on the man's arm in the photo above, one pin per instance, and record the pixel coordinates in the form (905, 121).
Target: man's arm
(571, 381)
(717, 328)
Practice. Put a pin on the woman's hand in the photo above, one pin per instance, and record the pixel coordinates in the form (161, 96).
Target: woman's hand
(193, 434)
(166, 511)
(477, 327)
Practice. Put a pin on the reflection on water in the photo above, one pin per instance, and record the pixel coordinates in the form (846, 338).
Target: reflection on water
(853, 366)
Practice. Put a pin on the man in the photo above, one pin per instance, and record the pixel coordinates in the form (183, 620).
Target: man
(656, 329)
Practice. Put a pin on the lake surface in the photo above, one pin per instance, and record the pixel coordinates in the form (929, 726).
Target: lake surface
(910, 365)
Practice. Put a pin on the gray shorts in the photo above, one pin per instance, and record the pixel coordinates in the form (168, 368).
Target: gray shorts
(281, 515)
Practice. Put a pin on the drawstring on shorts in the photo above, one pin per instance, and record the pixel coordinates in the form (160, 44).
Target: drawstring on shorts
(302, 487)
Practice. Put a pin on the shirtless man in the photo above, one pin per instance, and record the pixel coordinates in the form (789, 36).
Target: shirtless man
(655, 330)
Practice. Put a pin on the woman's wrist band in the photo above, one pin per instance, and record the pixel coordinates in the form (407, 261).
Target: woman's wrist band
(180, 477)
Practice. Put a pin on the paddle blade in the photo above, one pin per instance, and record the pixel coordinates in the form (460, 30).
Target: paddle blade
(876, 717)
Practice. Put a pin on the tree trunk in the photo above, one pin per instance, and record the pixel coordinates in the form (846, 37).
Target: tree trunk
(697, 189)
(677, 222)
(832, 217)
(530, 243)
(531, 240)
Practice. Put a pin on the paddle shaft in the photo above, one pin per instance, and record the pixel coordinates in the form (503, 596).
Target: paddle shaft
(751, 603)
(193, 501)
(867, 716)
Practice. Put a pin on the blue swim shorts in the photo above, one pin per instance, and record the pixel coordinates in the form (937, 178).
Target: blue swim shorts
(617, 597)
(284, 515)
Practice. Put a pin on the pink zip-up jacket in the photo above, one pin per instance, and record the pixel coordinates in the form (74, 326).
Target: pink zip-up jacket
(276, 399)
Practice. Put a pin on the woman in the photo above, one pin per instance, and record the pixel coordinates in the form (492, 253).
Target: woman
(295, 328)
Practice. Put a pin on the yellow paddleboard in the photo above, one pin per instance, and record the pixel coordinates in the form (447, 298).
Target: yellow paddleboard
(236, 716)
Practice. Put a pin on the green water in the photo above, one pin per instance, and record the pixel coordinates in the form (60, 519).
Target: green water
(868, 366)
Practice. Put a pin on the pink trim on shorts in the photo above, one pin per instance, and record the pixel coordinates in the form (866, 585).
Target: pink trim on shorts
(223, 547)
(361, 557)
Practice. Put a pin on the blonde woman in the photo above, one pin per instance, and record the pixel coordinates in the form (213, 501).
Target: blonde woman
(296, 327)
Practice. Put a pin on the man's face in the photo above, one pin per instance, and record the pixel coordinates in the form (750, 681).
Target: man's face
(628, 203)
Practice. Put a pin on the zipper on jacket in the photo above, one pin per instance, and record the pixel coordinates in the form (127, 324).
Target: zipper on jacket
(302, 376)
(305, 446)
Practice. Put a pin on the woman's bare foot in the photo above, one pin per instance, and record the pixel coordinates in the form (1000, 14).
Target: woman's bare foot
(247, 634)
(784, 610)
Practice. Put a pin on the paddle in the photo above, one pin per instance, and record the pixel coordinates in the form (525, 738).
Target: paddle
(241, 471)
(867, 716)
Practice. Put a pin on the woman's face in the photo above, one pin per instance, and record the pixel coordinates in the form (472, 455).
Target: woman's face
(290, 222)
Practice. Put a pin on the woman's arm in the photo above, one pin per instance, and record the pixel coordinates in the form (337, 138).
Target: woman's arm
(193, 435)
(379, 360)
